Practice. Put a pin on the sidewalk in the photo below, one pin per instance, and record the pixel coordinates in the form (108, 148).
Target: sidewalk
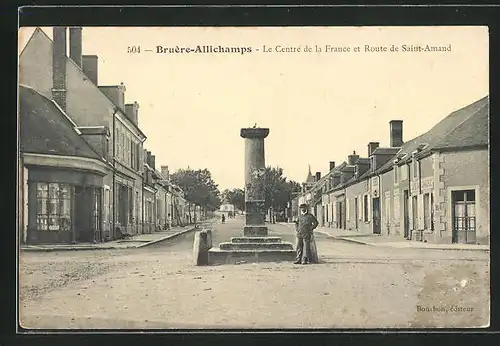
(136, 241)
(390, 241)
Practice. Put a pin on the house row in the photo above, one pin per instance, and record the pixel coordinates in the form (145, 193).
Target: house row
(433, 188)
(84, 173)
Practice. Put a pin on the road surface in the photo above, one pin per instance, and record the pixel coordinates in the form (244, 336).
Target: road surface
(157, 287)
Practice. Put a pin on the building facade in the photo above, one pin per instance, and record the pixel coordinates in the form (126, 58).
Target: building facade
(433, 188)
(107, 190)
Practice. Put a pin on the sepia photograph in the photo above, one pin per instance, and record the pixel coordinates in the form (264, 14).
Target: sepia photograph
(253, 178)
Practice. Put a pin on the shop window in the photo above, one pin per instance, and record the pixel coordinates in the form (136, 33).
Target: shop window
(54, 207)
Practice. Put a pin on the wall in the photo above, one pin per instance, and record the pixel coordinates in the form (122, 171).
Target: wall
(358, 190)
(426, 168)
(35, 64)
(389, 224)
(463, 170)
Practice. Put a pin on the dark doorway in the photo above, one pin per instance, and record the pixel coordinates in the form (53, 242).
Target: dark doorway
(83, 215)
(464, 216)
(356, 211)
(376, 215)
(339, 215)
(406, 215)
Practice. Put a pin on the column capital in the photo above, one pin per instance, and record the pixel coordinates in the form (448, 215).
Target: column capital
(254, 132)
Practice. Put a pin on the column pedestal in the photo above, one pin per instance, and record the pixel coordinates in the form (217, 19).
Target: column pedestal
(255, 245)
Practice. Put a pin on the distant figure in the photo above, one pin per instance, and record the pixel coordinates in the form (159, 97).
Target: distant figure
(304, 228)
(223, 218)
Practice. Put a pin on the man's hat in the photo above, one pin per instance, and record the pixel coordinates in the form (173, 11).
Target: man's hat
(303, 206)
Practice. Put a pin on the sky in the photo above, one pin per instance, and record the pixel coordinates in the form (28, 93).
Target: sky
(319, 106)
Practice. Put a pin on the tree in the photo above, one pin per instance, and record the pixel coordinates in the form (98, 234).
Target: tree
(278, 191)
(198, 186)
(235, 197)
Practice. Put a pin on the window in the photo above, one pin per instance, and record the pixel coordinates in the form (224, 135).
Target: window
(106, 204)
(464, 210)
(123, 146)
(427, 211)
(132, 154)
(365, 205)
(138, 156)
(54, 206)
(117, 143)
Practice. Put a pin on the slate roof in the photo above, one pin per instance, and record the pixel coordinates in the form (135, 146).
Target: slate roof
(449, 131)
(44, 129)
(470, 133)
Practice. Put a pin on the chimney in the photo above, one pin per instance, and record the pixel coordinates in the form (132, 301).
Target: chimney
(89, 67)
(153, 161)
(332, 165)
(371, 147)
(132, 112)
(59, 66)
(116, 94)
(318, 176)
(75, 44)
(396, 129)
(352, 159)
(148, 158)
(165, 172)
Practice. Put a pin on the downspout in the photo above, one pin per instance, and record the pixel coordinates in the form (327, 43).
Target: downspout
(143, 207)
(113, 225)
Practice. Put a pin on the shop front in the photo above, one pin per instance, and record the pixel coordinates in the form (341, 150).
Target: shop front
(64, 206)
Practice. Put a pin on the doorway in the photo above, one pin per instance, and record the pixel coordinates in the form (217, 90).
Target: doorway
(83, 215)
(339, 215)
(464, 216)
(376, 215)
(406, 215)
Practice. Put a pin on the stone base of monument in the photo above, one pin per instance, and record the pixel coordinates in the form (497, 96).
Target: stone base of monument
(255, 231)
(252, 250)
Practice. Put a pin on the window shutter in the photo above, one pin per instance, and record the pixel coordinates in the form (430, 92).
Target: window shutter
(347, 209)
(369, 208)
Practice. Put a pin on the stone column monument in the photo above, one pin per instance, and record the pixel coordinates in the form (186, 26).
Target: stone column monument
(255, 245)
(254, 181)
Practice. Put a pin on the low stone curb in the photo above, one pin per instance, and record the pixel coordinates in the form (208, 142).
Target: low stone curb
(109, 247)
(76, 248)
(360, 242)
(165, 238)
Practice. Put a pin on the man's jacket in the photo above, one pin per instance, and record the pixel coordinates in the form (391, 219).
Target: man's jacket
(306, 224)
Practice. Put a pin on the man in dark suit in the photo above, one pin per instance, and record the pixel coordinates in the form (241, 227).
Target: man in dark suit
(304, 227)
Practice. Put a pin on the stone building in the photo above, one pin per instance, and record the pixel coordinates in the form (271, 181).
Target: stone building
(127, 194)
(72, 83)
(433, 188)
(61, 175)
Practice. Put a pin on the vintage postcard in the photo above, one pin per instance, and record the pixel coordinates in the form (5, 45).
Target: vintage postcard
(253, 178)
